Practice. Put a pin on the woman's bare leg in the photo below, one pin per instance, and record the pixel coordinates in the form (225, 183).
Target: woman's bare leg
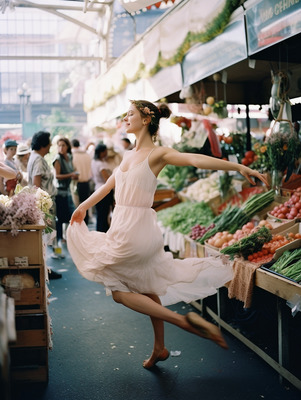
(159, 352)
(148, 306)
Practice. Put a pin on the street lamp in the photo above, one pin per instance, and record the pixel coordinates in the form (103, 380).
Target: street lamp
(24, 92)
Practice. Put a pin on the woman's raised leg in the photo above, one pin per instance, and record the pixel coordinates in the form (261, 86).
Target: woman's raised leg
(192, 322)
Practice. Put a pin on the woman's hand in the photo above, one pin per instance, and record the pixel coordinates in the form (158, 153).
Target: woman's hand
(78, 215)
(248, 172)
(74, 176)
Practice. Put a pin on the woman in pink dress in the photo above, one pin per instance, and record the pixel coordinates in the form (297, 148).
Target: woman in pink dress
(129, 259)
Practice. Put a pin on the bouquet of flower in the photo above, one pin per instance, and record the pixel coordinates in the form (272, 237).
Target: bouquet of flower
(27, 206)
(261, 160)
(283, 149)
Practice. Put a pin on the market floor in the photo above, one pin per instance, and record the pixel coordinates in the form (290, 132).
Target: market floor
(99, 346)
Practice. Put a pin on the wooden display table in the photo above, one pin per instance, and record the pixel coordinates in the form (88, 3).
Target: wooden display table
(284, 290)
(23, 275)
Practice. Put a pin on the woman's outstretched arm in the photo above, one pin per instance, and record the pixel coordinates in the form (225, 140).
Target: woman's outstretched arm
(80, 213)
(173, 157)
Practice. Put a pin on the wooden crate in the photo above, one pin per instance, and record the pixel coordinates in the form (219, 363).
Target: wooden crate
(29, 364)
(193, 248)
(26, 299)
(27, 243)
(165, 198)
(32, 330)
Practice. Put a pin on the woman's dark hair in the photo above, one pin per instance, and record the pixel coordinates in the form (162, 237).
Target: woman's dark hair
(39, 140)
(75, 143)
(146, 109)
(100, 148)
(67, 142)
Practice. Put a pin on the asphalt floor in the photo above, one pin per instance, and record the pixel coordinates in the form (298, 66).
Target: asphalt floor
(99, 346)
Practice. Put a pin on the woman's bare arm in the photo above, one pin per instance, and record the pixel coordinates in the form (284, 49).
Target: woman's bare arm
(80, 213)
(173, 157)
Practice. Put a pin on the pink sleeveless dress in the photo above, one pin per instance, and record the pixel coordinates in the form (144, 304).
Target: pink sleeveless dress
(130, 256)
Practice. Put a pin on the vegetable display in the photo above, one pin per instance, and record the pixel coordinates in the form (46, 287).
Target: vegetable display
(234, 217)
(289, 264)
(249, 244)
(199, 231)
(290, 209)
(183, 216)
(204, 189)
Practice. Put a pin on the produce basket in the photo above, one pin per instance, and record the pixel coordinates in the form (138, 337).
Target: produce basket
(296, 244)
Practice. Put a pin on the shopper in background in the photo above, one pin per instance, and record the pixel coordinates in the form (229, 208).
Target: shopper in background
(41, 176)
(7, 172)
(7, 186)
(101, 171)
(82, 164)
(129, 260)
(127, 145)
(23, 153)
(64, 173)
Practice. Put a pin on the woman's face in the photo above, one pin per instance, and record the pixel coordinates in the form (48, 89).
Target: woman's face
(133, 120)
(62, 147)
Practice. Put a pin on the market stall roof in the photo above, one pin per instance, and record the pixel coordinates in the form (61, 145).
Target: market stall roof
(233, 53)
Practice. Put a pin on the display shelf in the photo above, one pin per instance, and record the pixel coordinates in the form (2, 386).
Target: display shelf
(276, 285)
(26, 284)
(26, 298)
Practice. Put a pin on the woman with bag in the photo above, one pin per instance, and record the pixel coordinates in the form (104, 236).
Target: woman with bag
(64, 173)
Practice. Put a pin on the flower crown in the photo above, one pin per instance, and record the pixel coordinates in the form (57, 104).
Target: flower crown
(144, 109)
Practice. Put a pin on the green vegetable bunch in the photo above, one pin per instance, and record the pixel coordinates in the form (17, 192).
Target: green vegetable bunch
(249, 245)
(289, 264)
(233, 217)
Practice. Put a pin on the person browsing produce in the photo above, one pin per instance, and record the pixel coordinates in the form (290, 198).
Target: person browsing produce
(129, 259)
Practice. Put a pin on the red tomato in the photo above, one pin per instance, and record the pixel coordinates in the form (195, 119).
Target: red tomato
(249, 154)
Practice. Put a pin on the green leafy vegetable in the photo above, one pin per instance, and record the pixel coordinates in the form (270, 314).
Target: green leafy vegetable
(183, 216)
(233, 217)
(250, 244)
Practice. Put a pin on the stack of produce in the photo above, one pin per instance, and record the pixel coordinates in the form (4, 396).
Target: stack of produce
(233, 217)
(225, 238)
(198, 231)
(291, 209)
(249, 244)
(183, 216)
(249, 247)
(204, 189)
(289, 264)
